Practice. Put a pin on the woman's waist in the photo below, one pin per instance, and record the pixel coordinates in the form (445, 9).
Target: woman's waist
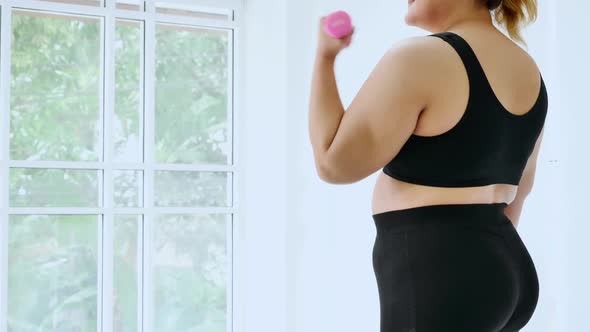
(391, 194)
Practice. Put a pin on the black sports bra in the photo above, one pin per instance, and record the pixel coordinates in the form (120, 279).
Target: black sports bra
(488, 145)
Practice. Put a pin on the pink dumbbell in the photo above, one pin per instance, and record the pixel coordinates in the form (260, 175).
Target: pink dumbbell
(338, 24)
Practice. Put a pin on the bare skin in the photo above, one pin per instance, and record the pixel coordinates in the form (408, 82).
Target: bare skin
(514, 78)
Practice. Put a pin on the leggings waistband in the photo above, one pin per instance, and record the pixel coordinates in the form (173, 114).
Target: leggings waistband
(472, 214)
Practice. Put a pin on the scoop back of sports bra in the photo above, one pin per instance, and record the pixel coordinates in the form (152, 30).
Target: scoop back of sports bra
(488, 145)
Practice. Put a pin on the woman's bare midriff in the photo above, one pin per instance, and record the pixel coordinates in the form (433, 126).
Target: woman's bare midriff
(391, 194)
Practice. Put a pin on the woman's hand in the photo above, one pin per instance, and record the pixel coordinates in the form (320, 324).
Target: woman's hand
(329, 46)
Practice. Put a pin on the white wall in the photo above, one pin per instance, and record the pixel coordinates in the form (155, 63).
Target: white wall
(261, 105)
(307, 263)
(572, 81)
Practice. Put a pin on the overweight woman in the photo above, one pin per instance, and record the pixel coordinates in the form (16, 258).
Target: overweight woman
(454, 119)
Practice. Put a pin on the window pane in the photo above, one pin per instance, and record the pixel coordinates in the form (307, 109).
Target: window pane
(52, 273)
(191, 95)
(55, 109)
(95, 3)
(130, 4)
(128, 188)
(39, 187)
(190, 273)
(126, 232)
(128, 120)
(193, 11)
(191, 189)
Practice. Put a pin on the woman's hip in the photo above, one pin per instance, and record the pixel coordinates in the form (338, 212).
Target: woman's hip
(459, 266)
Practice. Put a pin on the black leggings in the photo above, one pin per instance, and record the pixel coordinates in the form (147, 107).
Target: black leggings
(452, 268)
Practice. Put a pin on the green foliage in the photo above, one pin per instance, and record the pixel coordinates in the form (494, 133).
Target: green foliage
(191, 293)
(128, 53)
(191, 96)
(55, 88)
(52, 273)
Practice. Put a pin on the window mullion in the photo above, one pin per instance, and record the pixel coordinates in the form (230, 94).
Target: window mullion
(147, 304)
(106, 317)
(231, 181)
(5, 55)
(236, 275)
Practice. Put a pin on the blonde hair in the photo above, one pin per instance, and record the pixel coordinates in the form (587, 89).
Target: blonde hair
(511, 15)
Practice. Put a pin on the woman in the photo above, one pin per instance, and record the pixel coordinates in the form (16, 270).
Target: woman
(455, 120)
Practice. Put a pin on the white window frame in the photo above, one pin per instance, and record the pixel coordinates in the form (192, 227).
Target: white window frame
(109, 14)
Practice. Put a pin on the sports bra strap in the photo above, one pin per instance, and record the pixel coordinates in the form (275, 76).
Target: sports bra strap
(475, 72)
